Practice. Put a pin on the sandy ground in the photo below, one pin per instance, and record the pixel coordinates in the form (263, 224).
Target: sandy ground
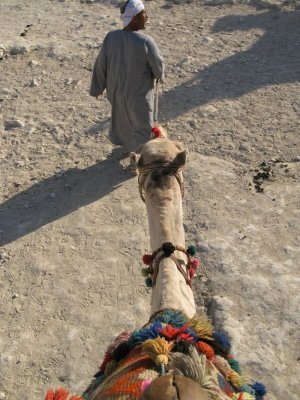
(72, 226)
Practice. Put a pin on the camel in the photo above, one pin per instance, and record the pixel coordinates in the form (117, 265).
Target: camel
(177, 354)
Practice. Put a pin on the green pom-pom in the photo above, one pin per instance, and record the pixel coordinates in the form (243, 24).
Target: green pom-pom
(148, 282)
(145, 272)
(234, 365)
(191, 250)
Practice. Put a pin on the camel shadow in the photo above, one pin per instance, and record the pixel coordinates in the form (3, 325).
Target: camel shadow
(57, 196)
(273, 59)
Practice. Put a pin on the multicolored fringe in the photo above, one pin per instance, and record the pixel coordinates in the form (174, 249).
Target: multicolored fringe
(168, 343)
(171, 342)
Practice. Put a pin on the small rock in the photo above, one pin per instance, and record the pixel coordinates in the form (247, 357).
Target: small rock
(34, 83)
(243, 147)
(19, 49)
(12, 124)
(207, 39)
(33, 63)
(193, 123)
(3, 256)
(185, 61)
(5, 91)
(296, 159)
(29, 129)
(15, 296)
(52, 195)
(208, 110)
(218, 2)
(69, 81)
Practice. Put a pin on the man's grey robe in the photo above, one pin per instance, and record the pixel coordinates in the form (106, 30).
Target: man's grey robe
(126, 67)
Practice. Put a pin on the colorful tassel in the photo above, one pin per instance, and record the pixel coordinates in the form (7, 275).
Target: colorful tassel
(235, 378)
(145, 272)
(172, 333)
(172, 317)
(259, 388)
(158, 350)
(147, 259)
(206, 349)
(202, 326)
(222, 343)
(191, 250)
(195, 263)
(156, 132)
(148, 282)
(222, 365)
(192, 273)
(168, 248)
(234, 365)
(243, 396)
(194, 366)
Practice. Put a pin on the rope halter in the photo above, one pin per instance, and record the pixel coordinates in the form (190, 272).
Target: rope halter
(165, 168)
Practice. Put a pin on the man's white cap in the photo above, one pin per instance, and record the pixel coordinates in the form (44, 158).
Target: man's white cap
(132, 9)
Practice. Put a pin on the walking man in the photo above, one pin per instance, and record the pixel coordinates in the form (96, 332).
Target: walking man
(127, 65)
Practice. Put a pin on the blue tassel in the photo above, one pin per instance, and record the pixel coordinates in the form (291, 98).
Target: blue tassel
(259, 388)
(139, 336)
(222, 340)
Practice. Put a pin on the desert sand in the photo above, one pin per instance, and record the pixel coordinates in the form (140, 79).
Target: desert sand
(73, 228)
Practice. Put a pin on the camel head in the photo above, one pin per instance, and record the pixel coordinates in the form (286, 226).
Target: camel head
(160, 159)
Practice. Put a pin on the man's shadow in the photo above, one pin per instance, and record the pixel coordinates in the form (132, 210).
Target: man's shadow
(273, 59)
(57, 196)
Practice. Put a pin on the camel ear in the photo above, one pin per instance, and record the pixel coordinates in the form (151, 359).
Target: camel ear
(181, 158)
(179, 146)
(140, 162)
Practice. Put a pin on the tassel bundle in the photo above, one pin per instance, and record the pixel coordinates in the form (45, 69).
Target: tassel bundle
(206, 349)
(202, 326)
(158, 350)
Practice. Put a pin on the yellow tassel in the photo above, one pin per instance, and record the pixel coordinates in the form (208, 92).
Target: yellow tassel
(158, 350)
(246, 396)
(235, 378)
(202, 326)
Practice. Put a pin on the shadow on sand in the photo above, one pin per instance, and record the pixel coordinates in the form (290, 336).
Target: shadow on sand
(273, 59)
(33, 208)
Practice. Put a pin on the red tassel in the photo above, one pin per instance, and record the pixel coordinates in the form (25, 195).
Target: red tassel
(206, 349)
(50, 395)
(59, 394)
(156, 132)
(192, 273)
(195, 263)
(147, 259)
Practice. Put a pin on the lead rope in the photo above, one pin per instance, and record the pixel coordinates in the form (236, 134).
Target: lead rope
(156, 102)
